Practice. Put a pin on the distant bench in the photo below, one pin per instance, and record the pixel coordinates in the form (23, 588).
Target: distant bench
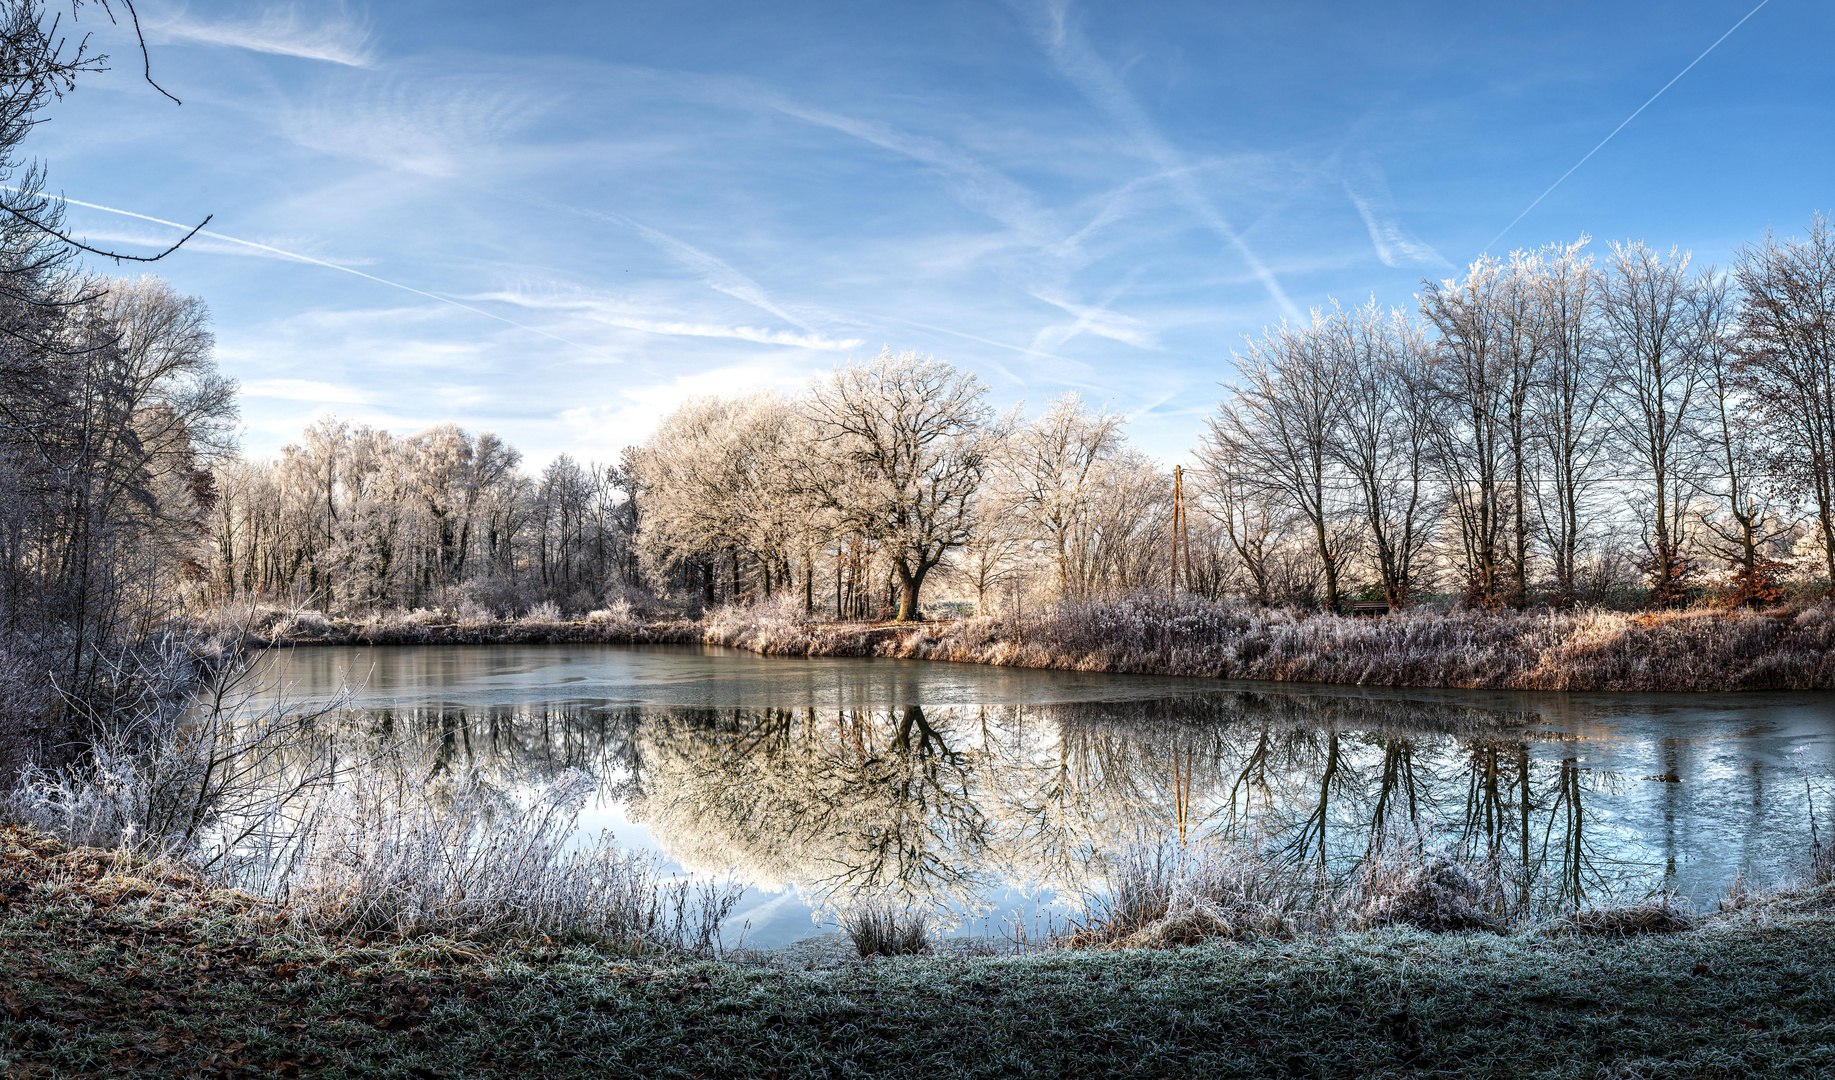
(1367, 607)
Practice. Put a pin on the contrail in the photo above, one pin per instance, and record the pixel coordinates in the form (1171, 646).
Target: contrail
(301, 258)
(1628, 119)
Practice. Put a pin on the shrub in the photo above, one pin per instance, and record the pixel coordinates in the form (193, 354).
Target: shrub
(1408, 885)
(546, 613)
(385, 853)
(1162, 895)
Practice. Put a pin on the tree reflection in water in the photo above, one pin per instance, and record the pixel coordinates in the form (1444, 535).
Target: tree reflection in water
(939, 807)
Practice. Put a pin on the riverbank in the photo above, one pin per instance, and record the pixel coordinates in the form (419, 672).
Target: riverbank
(109, 970)
(1695, 650)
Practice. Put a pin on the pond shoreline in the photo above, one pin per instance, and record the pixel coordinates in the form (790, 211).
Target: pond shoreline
(120, 968)
(1713, 649)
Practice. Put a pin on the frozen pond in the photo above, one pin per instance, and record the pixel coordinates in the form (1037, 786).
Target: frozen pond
(985, 793)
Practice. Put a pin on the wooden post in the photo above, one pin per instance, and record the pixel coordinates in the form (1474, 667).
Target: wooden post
(1180, 536)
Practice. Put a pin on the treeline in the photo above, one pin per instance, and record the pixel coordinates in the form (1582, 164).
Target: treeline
(351, 518)
(1546, 427)
(1551, 428)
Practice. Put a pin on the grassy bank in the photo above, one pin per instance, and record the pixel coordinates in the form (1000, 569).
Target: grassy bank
(108, 972)
(1700, 649)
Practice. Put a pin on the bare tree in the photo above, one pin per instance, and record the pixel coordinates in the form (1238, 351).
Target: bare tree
(1787, 289)
(1653, 348)
(1384, 440)
(910, 442)
(1471, 391)
(1567, 404)
(1051, 465)
(1254, 523)
(1282, 429)
(1741, 527)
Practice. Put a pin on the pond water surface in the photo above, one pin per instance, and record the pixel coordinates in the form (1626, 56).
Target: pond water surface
(990, 794)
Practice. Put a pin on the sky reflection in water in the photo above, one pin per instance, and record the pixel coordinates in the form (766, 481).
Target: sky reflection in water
(987, 792)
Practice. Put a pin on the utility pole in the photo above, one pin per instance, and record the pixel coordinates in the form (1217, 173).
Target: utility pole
(1181, 533)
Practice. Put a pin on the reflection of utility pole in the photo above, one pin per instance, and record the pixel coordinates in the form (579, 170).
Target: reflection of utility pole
(1181, 534)
(1181, 787)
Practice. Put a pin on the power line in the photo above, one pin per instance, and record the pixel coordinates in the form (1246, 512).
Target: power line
(1627, 120)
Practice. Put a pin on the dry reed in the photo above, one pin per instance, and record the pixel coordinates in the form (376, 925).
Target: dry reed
(882, 930)
(1152, 633)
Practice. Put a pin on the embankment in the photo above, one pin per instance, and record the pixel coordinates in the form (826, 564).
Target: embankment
(1694, 650)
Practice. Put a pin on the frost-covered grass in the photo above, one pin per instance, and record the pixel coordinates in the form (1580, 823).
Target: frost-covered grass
(1702, 649)
(1151, 633)
(105, 970)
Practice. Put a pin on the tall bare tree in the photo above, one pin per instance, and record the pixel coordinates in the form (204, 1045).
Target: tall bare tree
(1384, 440)
(1787, 293)
(1472, 390)
(1567, 405)
(911, 444)
(1052, 467)
(1282, 428)
(1653, 348)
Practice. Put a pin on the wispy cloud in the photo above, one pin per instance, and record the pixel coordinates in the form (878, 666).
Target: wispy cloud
(439, 126)
(609, 312)
(1099, 83)
(974, 184)
(280, 30)
(305, 390)
(717, 273)
(1368, 188)
(1096, 319)
(296, 256)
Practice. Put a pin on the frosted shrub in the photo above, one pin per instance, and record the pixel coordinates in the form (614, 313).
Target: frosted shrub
(777, 625)
(304, 623)
(546, 613)
(386, 853)
(193, 784)
(1162, 895)
(883, 930)
(618, 616)
(472, 614)
(1428, 890)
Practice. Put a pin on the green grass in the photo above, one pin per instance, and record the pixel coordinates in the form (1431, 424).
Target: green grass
(105, 974)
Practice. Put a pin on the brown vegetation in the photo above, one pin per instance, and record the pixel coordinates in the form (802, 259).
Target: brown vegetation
(1700, 649)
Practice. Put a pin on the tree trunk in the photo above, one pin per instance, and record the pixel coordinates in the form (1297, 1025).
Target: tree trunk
(909, 583)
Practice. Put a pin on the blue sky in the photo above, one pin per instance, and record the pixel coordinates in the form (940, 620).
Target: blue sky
(665, 199)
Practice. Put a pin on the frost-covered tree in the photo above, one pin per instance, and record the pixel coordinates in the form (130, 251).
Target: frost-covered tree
(906, 444)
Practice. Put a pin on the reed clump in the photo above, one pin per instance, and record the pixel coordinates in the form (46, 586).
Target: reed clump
(884, 930)
(1663, 914)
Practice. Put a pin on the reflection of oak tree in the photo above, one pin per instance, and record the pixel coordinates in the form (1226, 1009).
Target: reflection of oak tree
(850, 802)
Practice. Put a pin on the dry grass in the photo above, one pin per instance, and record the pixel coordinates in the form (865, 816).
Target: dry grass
(355, 836)
(1704, 649)
(1161, 895)
(1655, 915)
(108, 971)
